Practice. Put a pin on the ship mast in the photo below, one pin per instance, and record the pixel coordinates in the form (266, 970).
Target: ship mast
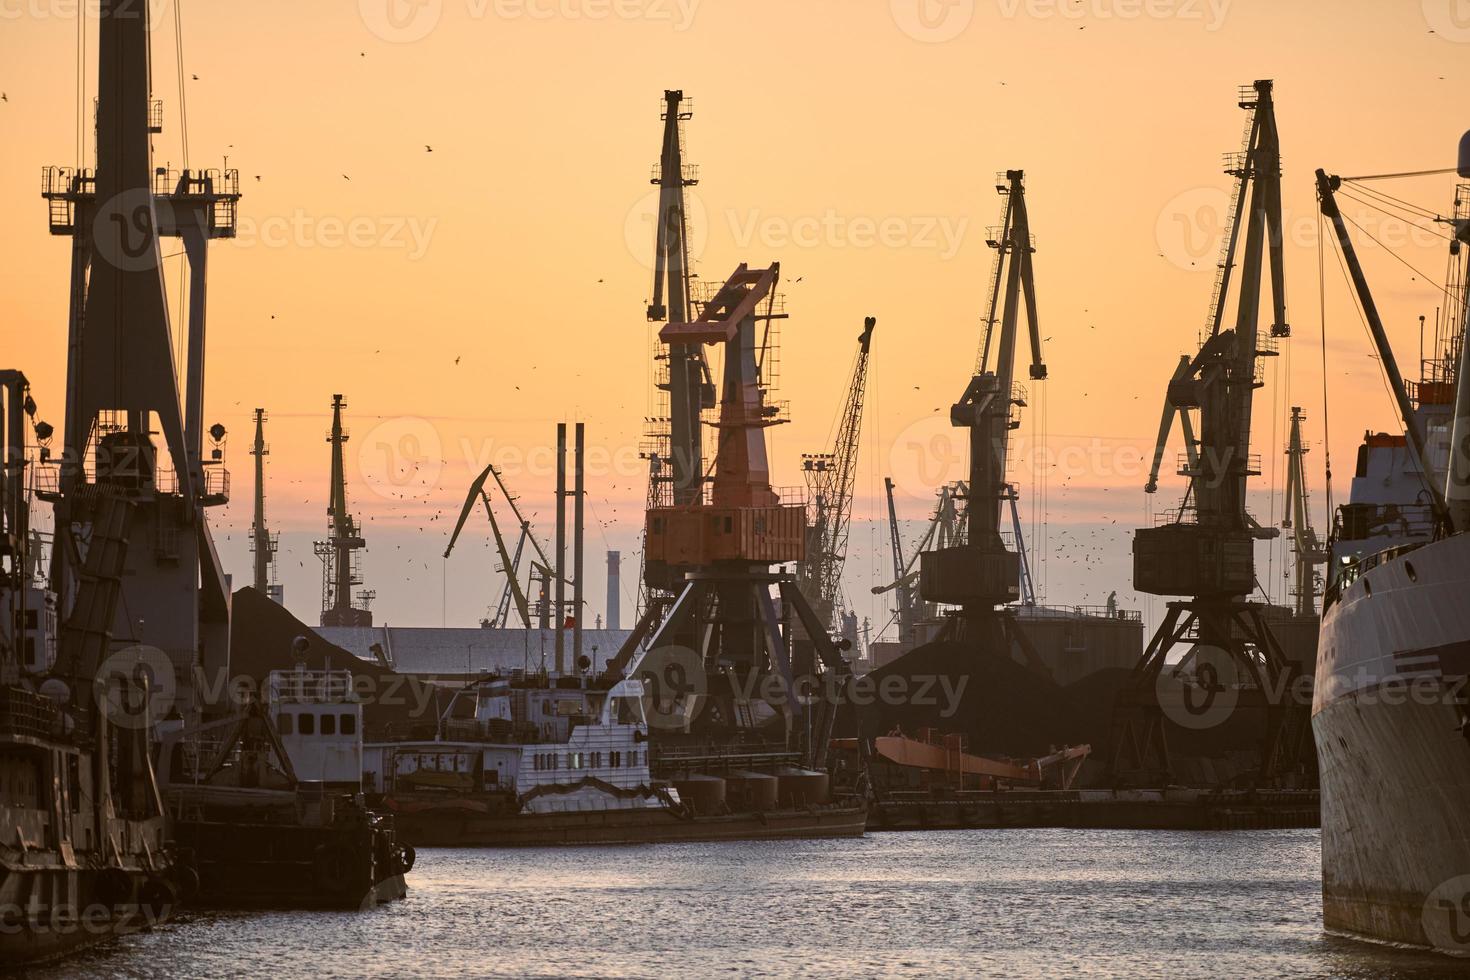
(339, 552)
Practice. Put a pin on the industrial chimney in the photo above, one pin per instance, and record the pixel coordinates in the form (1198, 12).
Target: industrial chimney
(614, 590)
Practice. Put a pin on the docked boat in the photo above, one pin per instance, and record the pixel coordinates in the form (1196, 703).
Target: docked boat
(530, 761)
(267, 804)
(1391, 711)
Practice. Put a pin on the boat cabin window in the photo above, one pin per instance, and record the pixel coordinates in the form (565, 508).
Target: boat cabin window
(329, 724)
(615, 759)
(349, 724)
(286, 724)
(308, 724)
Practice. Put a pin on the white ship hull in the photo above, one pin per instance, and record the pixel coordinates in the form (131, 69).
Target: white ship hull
(1395, 767)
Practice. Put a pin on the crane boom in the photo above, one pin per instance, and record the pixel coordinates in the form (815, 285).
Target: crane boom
(831, 478)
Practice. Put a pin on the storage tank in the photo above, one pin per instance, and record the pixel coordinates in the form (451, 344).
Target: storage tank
(745, 791)
(802, 787)
(702, 794)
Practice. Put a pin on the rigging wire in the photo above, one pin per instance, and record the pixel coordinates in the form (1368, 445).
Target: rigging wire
(1410, 173)
(1322, 310)
(1412, 218)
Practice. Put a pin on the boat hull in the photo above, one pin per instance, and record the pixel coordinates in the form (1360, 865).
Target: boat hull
(47, 914)
(1395, 766)
(460, 827)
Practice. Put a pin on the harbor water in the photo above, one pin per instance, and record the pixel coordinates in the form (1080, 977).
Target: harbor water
(1015, 903)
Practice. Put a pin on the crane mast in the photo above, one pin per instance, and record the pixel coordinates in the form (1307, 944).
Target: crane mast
(1205, 550)
(831, 478)
(687, 385)
(982, 573)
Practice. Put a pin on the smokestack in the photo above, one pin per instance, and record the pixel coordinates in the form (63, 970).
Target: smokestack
(614, 590)
(580, 489)
(561, 546)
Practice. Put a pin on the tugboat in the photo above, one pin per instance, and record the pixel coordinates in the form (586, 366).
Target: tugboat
(267, 804)
(542, 761)
(83, 850)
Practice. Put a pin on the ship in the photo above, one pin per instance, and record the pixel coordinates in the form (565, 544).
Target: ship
(1390, 714)
(266, 804)
(536, 760)
(84, 855)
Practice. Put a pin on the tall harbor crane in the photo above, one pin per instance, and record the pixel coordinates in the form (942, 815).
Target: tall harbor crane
(1308, 551)
(344, 540)
(123, 387)
(980, 573)
(263, 544)
(831, 478)
(736, 636)
(1205, 550)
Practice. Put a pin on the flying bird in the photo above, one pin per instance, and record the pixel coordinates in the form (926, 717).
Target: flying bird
(428, 148)
(345, 177)
(196, 78)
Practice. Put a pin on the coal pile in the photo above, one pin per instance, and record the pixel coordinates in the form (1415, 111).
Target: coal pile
(1006, 709)
(261, 637)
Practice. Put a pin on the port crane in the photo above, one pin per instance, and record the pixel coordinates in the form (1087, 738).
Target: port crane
(123, 387)
(1308, 551)
(338, 552)
(980, 573)
(831, 478)
(1205, 550)
(728, 637)
(513, 594)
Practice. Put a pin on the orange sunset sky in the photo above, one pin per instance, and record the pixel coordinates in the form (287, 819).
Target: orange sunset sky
(466, 300)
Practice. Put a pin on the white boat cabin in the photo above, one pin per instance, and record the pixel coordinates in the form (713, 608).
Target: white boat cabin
(556, 748)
